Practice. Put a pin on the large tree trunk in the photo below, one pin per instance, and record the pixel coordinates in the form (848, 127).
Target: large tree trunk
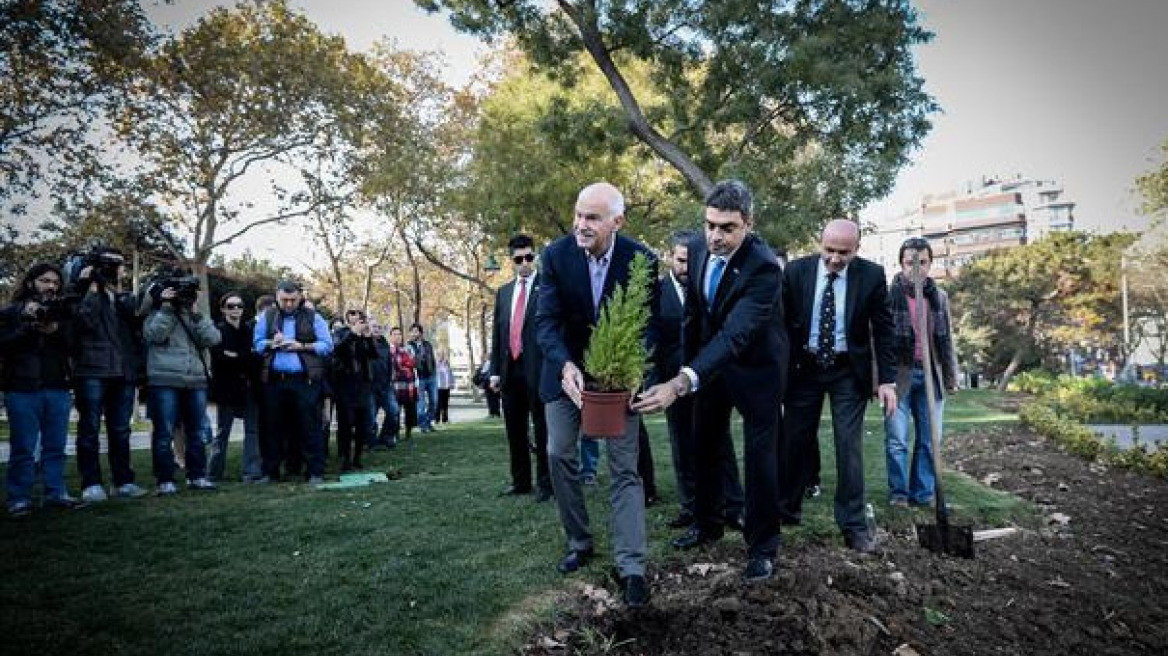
(1011, 369)
(638, 123)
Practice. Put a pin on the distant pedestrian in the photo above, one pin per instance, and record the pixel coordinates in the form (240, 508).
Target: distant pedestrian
(445, 378)
(405, 384)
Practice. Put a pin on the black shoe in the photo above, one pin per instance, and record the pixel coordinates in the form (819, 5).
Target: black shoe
(636, 591)
(758, 569)
(543, 495)
(860, 541)
(734, 522)
(574, 560)
(512, 491)
(695, 537)
(683, 520)
(811, 492)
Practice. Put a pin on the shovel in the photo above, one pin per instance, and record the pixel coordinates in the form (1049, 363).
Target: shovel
(941, 537)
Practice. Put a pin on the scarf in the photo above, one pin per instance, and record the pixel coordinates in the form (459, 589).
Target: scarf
(899, 293)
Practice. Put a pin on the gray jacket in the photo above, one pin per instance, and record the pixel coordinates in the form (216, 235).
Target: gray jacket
(172, 359)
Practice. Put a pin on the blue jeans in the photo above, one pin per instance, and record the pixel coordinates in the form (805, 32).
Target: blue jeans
(427, 401)
(114, 398)
(913, 480)
(589, 456)
(384, 400)
(168, 406)
(41, 416)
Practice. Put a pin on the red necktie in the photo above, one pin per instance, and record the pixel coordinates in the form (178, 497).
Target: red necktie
(517, 320)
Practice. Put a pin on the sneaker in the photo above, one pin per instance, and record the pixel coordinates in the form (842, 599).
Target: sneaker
(94, 494)
(898, 502)
(167, 489)
(129, 491)
(263, 480)
(315, 480)
(20, 508)
(64, 501)
(589, 479)
(201, 484)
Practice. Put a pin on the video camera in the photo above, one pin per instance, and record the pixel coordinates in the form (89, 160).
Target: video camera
(186, 288)
(103, 264)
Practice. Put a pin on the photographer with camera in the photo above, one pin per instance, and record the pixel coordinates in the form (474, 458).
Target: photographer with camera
(36, 381)
(353, 351)
(106, 342)
(178, 378)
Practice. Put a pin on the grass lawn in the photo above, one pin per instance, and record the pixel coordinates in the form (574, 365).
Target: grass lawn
(432, 563)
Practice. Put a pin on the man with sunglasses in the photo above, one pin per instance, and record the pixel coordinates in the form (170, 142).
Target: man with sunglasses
(840, 329)
(515, 371)
(232, 367)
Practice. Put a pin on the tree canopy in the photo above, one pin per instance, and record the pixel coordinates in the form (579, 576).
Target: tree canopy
(816, 105)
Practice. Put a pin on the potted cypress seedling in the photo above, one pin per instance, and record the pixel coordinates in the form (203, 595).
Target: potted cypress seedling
(616, 358)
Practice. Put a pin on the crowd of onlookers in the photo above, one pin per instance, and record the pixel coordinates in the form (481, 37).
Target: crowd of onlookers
(72, 338)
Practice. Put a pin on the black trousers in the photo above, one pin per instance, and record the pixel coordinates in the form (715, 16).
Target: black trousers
(679, 418)
(443, 406)
(760, 428)
(353, 429)
(292, 427)
(521, 405)
(645, 462)
(803, 406)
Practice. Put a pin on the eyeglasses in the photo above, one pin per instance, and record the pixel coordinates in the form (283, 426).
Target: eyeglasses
(234, 306)
(520, 259)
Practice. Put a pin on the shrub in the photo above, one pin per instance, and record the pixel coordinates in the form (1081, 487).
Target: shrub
(617, 358)
(1078, 439)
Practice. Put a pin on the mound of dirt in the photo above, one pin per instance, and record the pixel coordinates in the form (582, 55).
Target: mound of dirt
(1091, 577)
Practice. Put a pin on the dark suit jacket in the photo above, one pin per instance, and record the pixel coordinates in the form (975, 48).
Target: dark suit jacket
(667, 356)
(867, 318)
(566, 316)
(741, 336)
(501, 335)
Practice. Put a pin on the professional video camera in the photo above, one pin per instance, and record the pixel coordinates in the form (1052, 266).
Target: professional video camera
(186, 287)
(103, 264)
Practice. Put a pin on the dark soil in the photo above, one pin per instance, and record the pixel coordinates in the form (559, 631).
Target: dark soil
(1089, 577)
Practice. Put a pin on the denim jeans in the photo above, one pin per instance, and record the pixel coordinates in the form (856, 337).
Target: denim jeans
(384, 400)
(168, 406)
(427, 401)
(37, 417)
(113, 398)
(913, 480)
(226, 416)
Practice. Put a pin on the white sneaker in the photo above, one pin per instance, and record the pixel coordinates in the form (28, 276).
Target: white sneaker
(167, 489)
(201, 484)
(94, 494)
(129, 490)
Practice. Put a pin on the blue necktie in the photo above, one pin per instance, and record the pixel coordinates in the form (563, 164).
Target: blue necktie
(715, 278)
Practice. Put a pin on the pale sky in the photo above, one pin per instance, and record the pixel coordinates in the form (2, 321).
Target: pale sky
(1071, 90)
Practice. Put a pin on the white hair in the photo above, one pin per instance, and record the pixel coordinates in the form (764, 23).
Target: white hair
(616, 200)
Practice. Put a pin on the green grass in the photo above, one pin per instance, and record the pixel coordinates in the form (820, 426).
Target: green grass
(436, 564)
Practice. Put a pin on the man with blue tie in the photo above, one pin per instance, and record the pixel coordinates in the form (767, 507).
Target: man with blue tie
(293, 340)
(836, 310)
(734, 357)
(579, 273)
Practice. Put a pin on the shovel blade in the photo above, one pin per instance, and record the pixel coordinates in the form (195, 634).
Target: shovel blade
(952, 540)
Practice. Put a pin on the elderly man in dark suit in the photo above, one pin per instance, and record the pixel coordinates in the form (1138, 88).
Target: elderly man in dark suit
(679, 416)
(579, 274)
(735, 357)
(515, 369)
(836, 310)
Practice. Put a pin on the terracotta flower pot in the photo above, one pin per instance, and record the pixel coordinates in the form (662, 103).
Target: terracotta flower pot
(604, 413)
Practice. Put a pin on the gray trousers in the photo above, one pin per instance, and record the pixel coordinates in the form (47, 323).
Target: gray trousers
(625, 491)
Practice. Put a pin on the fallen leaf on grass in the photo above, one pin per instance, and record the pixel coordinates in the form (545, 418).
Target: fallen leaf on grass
(1058, 518)
(991, 479)
(905, 650)
(550, 643)
(935, 617)
(1058, 582)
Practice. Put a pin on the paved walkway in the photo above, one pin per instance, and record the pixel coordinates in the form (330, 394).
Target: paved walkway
(462, 409)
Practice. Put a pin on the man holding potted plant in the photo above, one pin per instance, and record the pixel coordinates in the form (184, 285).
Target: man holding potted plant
(579, 281)
(734, 356)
